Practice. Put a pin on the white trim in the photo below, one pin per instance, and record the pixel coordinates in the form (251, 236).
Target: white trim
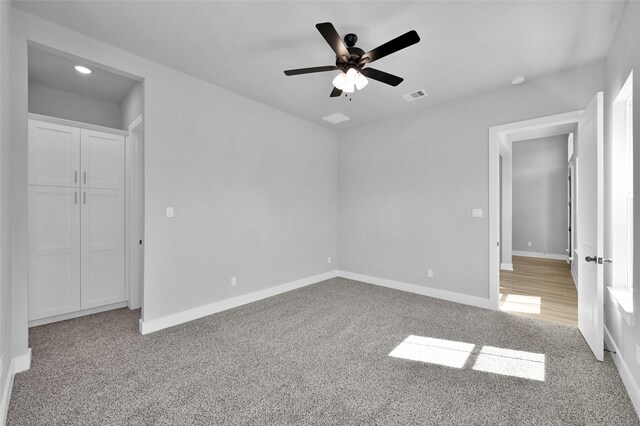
(135, 123)
(506, 266)
(21, 363)
(77, 314)
(575, 278)
(623, 369)
(418, 289)
(6, 396)
(541, 255)
(147, 327)
(134, 207)
(496, 133)
(622, 299)
(18, 364)
(65, 122)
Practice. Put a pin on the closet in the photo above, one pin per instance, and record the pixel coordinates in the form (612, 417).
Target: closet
(76, 217)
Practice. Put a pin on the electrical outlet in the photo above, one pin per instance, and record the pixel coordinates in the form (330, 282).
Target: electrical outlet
(328, 260)
(529, 243)
(234, 281)
(169, 211)
(429, 273)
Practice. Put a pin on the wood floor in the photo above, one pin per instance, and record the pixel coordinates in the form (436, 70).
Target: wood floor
(540, 288)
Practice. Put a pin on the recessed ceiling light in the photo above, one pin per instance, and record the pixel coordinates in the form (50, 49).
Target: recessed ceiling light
(518, 79)
(82, 70)
(336, 118)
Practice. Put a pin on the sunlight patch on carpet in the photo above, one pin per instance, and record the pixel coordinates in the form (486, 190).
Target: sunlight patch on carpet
(434, 351)
(525, 365)
(449, 353)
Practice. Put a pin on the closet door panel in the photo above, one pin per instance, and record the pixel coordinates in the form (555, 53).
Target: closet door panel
(102, 159)
(54, 251)
(54, 154)
(102, 247)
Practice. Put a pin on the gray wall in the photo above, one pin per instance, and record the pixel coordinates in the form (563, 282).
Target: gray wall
(623, 57)
(540, 195)
(5, 192)
(59, 103)
(408, 184)
(254, 189)
(132, 105)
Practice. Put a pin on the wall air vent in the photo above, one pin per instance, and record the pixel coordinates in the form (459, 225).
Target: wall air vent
(415, 95)
(336, 118)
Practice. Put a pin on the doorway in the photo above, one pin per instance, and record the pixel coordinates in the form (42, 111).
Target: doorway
(501, 181)
(587, 126)
(85, 146)
(537, 283)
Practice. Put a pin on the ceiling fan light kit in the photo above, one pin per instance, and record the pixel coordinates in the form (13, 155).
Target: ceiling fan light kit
(351, 60)
(350, 80)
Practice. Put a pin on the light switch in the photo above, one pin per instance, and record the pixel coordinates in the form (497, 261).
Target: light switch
(169, 211)
(476, 212)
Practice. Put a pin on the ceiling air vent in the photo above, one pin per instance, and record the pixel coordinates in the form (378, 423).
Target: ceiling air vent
(415, 95)
(336, 118)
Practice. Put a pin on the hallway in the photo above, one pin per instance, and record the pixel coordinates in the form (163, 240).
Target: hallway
(540, 288)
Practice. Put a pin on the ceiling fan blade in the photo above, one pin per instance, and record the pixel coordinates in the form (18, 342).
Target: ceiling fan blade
(392, 46)
(381, 76)
(311, 70)
(330, 34)
(335, 93)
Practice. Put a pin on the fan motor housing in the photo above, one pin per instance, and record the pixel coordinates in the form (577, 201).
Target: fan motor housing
(355, 55)
(355, 52)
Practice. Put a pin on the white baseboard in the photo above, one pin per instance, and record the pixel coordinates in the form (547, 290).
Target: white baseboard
(623, 369)
(213, 308)
(506, 266)
(18, 364)
(6, 396)
(541, 255)
(575, 278)
(21, 363)
(77, 314)
(417, 289)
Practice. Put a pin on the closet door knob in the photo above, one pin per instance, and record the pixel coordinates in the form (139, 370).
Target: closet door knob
(85, 177)
(84, 201)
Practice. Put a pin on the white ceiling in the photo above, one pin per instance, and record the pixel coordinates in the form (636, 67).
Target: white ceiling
(57, 71)
(466, 47)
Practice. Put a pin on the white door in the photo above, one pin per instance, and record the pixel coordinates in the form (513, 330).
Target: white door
(54, 251)
(590, 226)
(102, 248)
(54, 154)
(102, 159)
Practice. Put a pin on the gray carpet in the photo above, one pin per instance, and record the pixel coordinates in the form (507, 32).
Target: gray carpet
(317, 355)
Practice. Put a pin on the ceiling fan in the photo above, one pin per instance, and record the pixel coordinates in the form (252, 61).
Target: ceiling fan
(351, 60)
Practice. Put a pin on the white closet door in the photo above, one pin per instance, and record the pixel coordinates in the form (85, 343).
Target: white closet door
(54, 154)
(102, 159)
(54, 251)
(102, 247)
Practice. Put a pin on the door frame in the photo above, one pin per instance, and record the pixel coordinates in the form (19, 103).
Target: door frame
(500, 135)
(134, 182)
